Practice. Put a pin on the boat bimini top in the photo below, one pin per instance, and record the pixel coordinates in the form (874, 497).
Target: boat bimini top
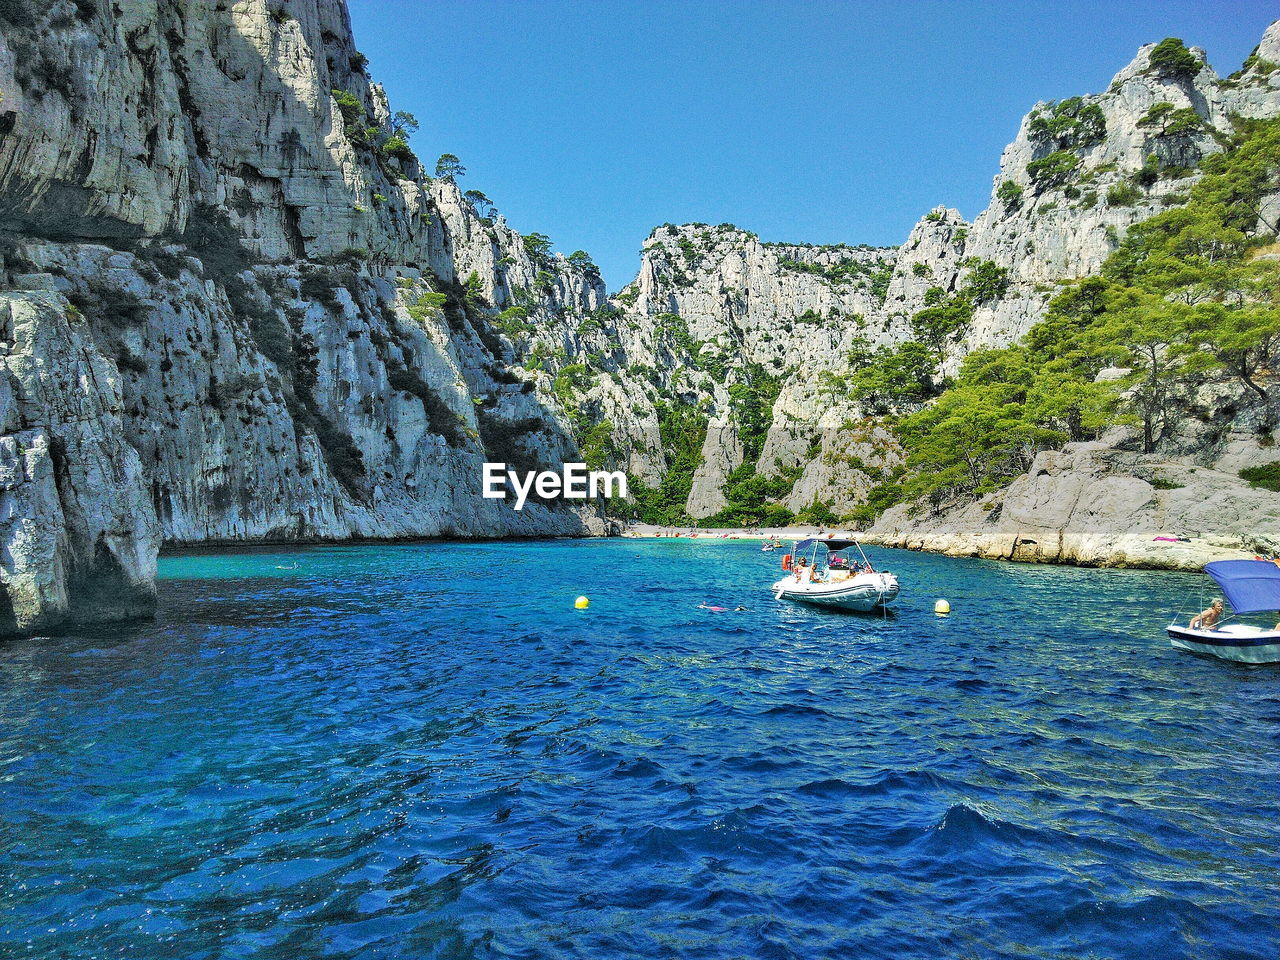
(803, 546)
(808, 548)
(1252, 586)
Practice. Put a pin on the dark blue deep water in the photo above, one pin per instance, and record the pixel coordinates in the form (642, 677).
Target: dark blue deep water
(425, 751)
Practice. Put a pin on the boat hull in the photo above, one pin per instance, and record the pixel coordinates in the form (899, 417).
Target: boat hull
(862, 593)
(1236, 642)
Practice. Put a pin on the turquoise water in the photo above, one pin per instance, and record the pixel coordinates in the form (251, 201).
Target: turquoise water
(425, 751)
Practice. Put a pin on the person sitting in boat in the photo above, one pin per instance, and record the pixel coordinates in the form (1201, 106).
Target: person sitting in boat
(1209, 618)
(804, 572)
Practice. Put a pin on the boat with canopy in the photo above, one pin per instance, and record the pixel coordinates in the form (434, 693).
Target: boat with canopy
(1250, 586)
(834, 573)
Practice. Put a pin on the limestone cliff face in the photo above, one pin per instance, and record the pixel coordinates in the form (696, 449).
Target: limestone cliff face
(1098, 503)
(783, 310)
(1065, 228)
(78, 531)
(286, 330)
(712, 305)
(1095, 505)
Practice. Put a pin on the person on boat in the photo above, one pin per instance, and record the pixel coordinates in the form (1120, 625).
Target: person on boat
(804, 572)
(1209, 618)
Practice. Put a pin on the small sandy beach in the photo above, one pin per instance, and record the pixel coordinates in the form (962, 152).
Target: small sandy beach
(783, 534)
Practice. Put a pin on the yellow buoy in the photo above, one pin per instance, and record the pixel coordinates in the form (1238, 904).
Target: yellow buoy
(942, 608)
(582, 603)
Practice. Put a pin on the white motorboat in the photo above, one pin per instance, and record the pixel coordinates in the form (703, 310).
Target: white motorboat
(834, 573)
(1251, 586)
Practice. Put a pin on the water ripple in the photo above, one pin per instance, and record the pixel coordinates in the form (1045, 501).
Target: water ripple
(405, 751)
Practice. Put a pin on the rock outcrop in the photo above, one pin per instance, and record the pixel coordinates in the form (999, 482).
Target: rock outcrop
(713, 308)
(78, 532)
(280, 328)
(1094, 505)
(1064, 227)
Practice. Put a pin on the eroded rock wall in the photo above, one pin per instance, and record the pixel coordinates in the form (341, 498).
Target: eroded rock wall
(1092, 504)
(713, 306)
(78, 533)
(289, 332)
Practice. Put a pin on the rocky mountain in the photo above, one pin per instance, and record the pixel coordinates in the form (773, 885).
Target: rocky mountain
(236, 307)
(716, 319)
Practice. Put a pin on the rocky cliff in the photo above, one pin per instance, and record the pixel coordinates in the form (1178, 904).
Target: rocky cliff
(1105, 503)
(716, 317)
(78, 531)
(238, 307)
(1097, 504)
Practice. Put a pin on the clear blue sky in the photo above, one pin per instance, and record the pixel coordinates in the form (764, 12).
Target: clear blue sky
(812, 120)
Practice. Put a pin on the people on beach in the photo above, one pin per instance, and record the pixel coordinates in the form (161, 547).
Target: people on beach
(1208, 619)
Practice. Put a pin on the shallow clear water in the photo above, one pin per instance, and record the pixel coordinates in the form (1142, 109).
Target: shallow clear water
(417, 751)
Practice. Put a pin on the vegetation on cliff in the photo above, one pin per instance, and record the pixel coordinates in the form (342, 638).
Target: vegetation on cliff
(888, 378)
(682, 429)
(1191, 294)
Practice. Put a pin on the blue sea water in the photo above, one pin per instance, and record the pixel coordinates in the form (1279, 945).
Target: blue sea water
(426, 751)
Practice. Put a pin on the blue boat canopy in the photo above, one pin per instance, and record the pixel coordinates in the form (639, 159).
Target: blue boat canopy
(833, 545)
(1250, 585)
